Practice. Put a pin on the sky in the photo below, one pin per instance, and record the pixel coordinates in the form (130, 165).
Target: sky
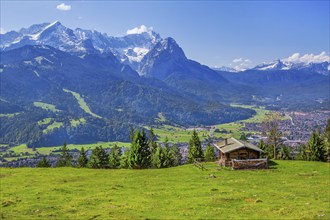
(214, 33)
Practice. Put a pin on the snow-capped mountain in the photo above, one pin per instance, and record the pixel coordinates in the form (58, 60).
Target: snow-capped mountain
(321, 68)
(129, 49)
(275, 65)
(161, 60)
(225, 69)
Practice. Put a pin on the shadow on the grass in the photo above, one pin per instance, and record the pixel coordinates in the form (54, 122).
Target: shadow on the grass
(272, 164)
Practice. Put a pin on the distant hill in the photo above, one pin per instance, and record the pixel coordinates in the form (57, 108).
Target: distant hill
(89, 86)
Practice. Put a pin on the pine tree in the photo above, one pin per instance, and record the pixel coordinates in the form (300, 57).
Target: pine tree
(243, 137)
(194, 148)
(176, 154)
(82, 160)
(168, 154)
(65, 159)
(124, 159)
(94, 161)
(140, 155)
(99, 159)
(209, 154)
(267, 151)
(43, 163)
(326, 141)
(285, 153)
(152, 141)
(114, 157)
(103, 158)
(131, 134)
(159, 158)
(315, 150)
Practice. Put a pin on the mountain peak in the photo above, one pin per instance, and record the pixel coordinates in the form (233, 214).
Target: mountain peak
(170, 47)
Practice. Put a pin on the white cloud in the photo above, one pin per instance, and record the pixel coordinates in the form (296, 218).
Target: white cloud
(63, 7)
(308, 58)
(2, 31)
(238, 60)
(139, 30)
(240, 64)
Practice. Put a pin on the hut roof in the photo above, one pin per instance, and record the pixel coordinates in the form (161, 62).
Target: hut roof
(233, 144)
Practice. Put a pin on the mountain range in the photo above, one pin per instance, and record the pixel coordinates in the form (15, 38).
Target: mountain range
(84, 86)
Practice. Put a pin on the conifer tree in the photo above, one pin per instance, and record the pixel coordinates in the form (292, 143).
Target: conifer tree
(194, 148)
(65, 159)
(176, 154)
(315, 150)
(140, 155)
(326, 141)
(159, 158)
(168, 154)
(131, 134)
(114, 157)
(99, 159)
(285, 153)
(152, 141)
(82, 160)
(209, 153)
(124, 159)
(243, 137)
(267, 152)
(43, 163)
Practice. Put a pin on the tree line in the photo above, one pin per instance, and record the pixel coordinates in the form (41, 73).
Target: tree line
(145, 152)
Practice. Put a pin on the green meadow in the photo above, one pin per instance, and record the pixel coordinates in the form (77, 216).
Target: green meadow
(83, 105)
(46, 106)
(233, 129)
(22, 148)
(288, 190)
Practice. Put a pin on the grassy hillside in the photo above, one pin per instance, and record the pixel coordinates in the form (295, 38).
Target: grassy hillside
(46, 106)
(83, 105)
(290, 190)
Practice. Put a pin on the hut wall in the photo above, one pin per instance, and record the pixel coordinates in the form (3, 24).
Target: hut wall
(240, 154)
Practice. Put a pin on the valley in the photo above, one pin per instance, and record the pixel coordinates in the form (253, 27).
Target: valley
(296, 127)
(57, 88)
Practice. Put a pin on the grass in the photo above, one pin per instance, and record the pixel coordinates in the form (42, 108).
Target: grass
(46, 106)
(235, 127)
(22, 148)
(294, 190)
(176, 134)
(52, 126)
(76, 122)
(83, 105)
(45, 121)
(10, 114)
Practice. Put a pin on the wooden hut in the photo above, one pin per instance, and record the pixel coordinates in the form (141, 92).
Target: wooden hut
(240, 154)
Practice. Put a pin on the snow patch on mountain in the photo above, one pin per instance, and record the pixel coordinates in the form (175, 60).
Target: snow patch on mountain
(319, 63)
(129, 49)
(135, 54)
(225, 69)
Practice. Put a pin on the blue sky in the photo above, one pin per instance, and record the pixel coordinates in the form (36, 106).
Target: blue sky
(215, 33)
